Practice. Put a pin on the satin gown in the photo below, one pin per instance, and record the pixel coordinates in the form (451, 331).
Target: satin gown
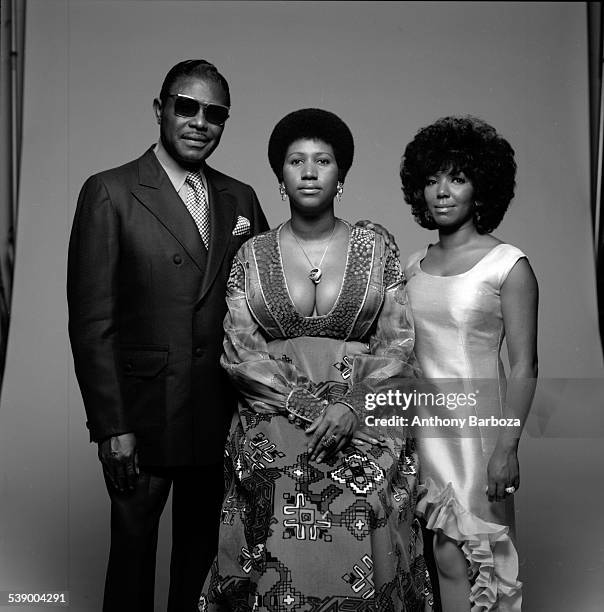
(297, 535)
(459, 332)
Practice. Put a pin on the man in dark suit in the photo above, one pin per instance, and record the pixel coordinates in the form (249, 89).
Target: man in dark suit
(149, 256)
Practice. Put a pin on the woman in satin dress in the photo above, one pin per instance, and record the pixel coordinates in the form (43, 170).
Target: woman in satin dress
(316, 307)
(467, 292)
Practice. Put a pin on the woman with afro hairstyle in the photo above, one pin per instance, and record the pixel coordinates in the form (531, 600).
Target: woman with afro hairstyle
(467, 292)
(318, 514)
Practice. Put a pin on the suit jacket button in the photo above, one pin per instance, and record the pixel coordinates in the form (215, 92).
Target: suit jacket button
(198, 351)
(177, 259)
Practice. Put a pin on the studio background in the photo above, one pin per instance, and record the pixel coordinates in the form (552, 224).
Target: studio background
(387, 68)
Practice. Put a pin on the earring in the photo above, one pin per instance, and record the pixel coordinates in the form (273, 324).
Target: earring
(339, 191)
(282, 191)
(477, 207)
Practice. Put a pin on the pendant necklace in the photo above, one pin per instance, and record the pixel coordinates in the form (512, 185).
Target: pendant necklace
(315, 273)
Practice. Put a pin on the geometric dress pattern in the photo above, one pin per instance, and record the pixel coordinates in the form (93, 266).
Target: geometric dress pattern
(297, 535)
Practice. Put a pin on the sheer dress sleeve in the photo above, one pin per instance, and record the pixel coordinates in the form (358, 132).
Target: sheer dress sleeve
(391, 345)
(274, 385)
(268, 384)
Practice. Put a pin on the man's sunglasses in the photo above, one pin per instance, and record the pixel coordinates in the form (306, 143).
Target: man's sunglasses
(185, 106)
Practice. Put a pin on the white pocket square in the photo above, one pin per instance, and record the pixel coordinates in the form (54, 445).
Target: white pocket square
(242, 227)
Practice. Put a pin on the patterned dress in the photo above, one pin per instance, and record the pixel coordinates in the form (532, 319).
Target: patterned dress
(296, 535)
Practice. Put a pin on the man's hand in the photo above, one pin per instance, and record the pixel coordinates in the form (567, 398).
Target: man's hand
(380, 229)
(120, 460)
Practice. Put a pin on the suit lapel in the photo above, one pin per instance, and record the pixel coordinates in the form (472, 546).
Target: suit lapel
(157, 194)
(223, 208)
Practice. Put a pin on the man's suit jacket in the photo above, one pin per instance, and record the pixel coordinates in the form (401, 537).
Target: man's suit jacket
(146, 306)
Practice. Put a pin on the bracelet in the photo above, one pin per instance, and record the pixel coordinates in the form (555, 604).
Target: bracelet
(303, 406)
(350, 407)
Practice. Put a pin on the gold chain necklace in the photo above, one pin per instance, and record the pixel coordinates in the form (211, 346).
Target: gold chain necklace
(315, 273)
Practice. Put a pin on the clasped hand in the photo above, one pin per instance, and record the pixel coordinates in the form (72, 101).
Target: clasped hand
(120, 460)
(331, 431)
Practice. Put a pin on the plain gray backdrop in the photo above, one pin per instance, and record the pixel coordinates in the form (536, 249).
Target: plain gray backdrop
(387, 68)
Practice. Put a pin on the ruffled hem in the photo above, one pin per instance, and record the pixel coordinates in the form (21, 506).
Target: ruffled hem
(487, 547)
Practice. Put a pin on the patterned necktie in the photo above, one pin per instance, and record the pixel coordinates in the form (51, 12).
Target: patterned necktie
(197, 204)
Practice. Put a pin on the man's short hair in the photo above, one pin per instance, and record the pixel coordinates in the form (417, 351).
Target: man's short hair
(199, 68)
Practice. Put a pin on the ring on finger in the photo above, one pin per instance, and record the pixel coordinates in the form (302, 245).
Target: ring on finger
(330, 441)
(510, 490)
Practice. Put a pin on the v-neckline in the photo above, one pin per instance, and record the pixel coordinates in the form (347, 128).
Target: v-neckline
(342, 284)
